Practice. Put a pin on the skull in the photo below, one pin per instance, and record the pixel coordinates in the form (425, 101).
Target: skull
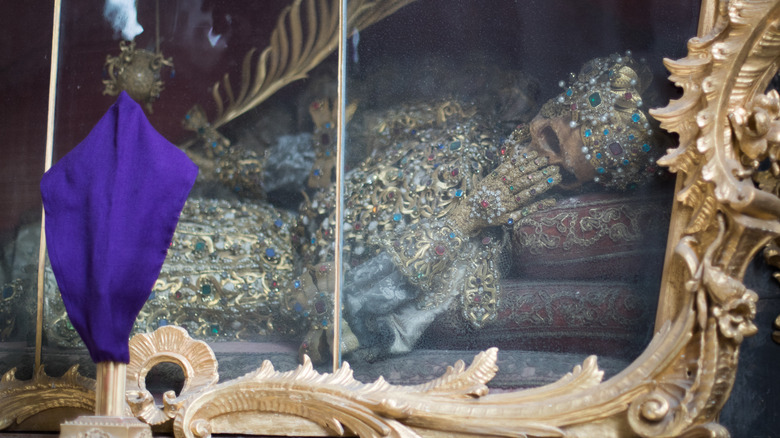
(562, 144)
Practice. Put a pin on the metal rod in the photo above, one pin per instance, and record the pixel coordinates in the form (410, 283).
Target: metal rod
(110, 389)
(340, 129)
(55, 54)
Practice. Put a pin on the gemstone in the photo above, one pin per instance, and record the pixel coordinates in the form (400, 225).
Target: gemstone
(455, 145)
(598, 155)
(600, 170)
(628, 96)
(440, 250)
(297, 284)
(594, 99)
(274, 284)
(278, 223)
(625, 161)
(588, 133)
(200, 246)
(606, 132)
(574, 107)
(270, 253)
(532, 192)
(430, 157)
(525, 212)
(319, 306)
(178, 295)
(317, 172)
(484, 203)
(510, 221)
(298, 307)
(358, 226)
(454, 172)
(511, 188)
(315, 105)
(550, 180)
(486, 241)
(324, 268)
(313, 240)
(397, 217)
(458, 193)
(631, 136)
(635, 117)
(162, 322)
(615, 148)
(205, 289)
(324, 322)
(569, 92)
(452, 235)
(328, 125)
(503, 151)
(215, 329)
(646, 147)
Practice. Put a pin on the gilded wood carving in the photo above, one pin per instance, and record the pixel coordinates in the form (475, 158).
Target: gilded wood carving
(729, 130)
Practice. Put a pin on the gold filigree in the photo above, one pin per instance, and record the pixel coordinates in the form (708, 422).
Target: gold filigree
(136, 71)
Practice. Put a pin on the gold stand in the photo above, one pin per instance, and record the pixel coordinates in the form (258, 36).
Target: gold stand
(109, 419)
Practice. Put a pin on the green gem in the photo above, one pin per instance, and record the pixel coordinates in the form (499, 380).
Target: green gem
(215, 329)
(594, 99)
(511, 188)
(525, 212)
(455, 145)
(545, 172)
(205, 289)
(200, 246)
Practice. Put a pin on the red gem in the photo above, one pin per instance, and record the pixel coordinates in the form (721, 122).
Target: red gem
(430, 157)
(454, 172)
(486, 240)
(178, 295)
(574, 107)
(357, 226)
(484, 204)
(476, 298)
(391, 195)
(324, 268)
(518, 199)
(615, 148)
(440, 250)
(316, 105)
(503, 151)
(628, 96)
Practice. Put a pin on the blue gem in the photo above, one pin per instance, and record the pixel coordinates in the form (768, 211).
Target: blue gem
(598, 155)
(458, 193)
(328, 125)
(587, 133)
(452, 235)
(510, 221)
(606, 132)
(635, 117)
(187, 117)
(278, 223)
(569, 92)
(162, 322)
(324, 322)
(200, 246)
(298, 308)
(327, 153)
(455, 145)
(297, 284)
(397, 217)
(313, 240)
(594, 100)
(600, 170)
(631, 136)
(8, 291)
(213, 144)
(270, 253)
(625, 161)
(441, 146)
(306, 314)
(646, 147)
(316, 172)
(550, 180)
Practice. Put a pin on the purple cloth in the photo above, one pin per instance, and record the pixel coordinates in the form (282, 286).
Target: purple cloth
(112, 205)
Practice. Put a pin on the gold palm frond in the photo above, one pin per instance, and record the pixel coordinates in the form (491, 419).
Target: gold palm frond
(306, 33)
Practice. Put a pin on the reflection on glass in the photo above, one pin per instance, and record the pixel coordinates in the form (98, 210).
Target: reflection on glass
(490, 203)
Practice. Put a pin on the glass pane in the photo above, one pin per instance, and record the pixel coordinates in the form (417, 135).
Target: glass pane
(24, 86)
(502, 187)
(233, 271)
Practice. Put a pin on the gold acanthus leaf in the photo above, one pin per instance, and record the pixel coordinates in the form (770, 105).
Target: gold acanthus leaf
(306, 33)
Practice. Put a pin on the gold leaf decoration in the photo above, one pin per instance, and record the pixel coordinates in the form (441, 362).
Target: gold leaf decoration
(306, 33)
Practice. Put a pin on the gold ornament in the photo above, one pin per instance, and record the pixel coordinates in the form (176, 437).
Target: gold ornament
(137, 72)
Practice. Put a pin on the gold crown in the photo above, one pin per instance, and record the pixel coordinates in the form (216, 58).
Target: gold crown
(604, 101)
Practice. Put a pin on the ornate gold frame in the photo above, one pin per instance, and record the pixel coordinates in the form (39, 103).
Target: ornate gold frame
(726, 126)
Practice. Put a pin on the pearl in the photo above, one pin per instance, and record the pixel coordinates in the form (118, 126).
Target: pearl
(572, 124)
(561, 84)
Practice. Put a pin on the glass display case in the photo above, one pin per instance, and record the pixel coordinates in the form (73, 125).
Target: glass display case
(387, 188)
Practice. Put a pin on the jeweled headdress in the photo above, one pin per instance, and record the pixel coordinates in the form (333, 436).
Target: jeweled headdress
(604, 101)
